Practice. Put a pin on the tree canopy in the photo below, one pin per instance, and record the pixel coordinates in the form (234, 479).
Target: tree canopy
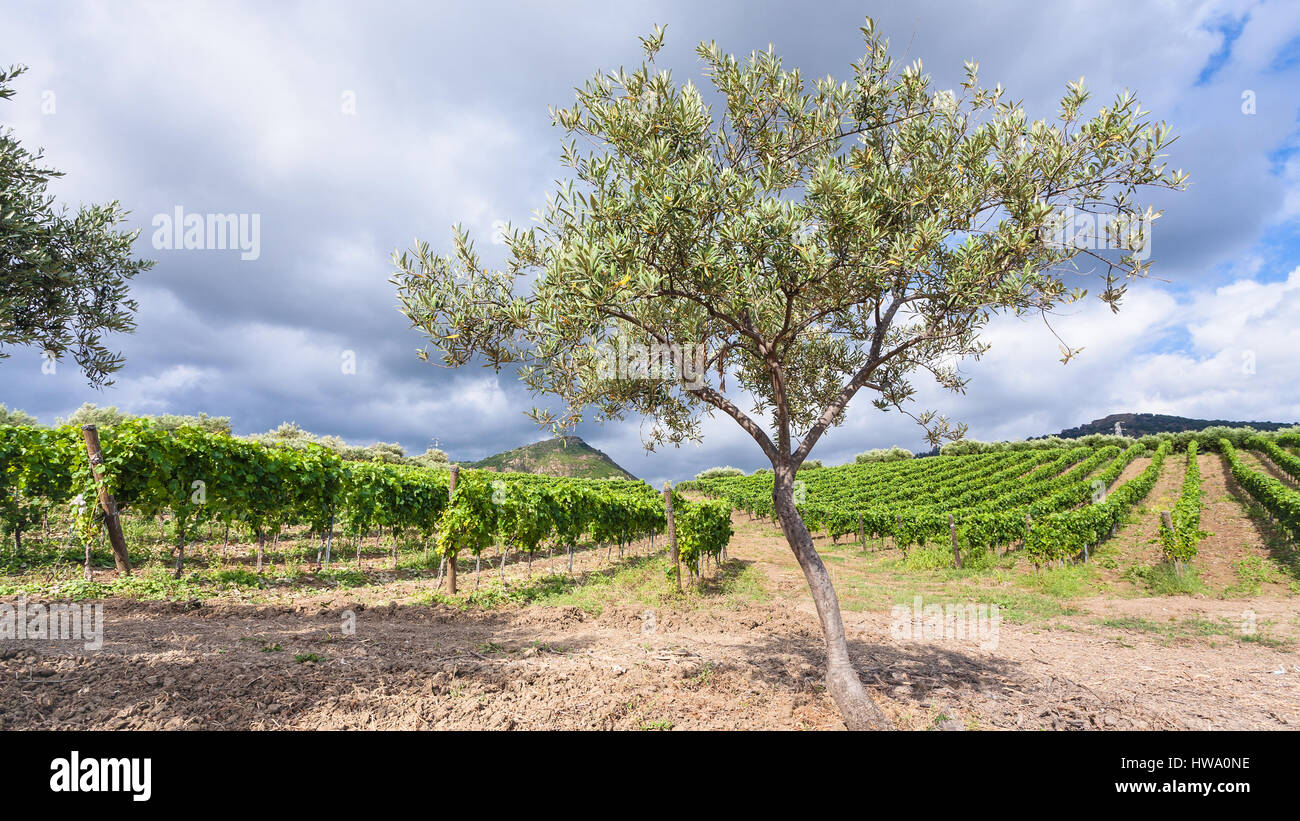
(65, 276)
(813, 239)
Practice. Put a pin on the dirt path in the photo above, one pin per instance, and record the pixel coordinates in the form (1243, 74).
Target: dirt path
(1234, 537)
(1135, 543)
(1131, 470)
(1265, 465)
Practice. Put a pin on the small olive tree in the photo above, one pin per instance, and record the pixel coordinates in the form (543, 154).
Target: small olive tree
(812, 240)
(64, 278)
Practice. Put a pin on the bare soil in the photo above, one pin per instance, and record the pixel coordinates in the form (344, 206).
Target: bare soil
(168, 666)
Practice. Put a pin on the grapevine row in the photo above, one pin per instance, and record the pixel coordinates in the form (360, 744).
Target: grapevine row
(1281, 502)
(1180, 542)
(201, 477)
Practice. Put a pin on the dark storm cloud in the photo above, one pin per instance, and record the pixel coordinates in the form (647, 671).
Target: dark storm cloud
(241, 108)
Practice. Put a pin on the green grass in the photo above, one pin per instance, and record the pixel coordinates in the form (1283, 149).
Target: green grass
(877, 580)
(1068, 582)
(1274, 642)
(344, 578)
(635, 580)
(1163, 580)
(1189, 629)
(656, 725)
(1253, 572)
(1174, 630)
(150, 584)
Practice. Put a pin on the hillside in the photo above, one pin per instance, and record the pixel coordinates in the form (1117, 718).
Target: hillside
(561, 456)
(1141, 424)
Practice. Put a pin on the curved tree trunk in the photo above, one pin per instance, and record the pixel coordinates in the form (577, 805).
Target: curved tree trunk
(859, 711)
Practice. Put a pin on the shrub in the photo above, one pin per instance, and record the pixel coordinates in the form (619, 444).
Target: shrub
(964, 447)
(894, 454)
(719, 472)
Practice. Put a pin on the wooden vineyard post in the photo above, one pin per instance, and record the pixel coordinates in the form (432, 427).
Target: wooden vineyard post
(180, 546)
(329, 541)
(111, 521)
(672, 534)
(956, 552)
(451, 559)
(1028, 524)
(862, 534)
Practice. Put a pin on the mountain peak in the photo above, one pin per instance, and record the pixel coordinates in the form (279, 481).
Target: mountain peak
(566, 455)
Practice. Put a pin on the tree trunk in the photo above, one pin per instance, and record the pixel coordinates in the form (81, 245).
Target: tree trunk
(673, 551)
(859, 711)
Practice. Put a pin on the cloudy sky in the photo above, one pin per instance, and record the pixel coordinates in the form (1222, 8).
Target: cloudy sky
(351, 129)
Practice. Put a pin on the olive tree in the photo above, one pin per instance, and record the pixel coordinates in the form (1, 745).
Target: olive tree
(814, 240)
(63, 278)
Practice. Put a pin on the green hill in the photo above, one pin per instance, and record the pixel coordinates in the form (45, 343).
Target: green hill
(561, 456)
(1141, 424)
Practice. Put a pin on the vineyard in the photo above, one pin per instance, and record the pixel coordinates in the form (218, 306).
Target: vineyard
(248, 558)
(198, 483)
(1055, 504)
(175, 487)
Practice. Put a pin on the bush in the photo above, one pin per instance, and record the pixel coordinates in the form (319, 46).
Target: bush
(90, 414)
(1237, 436)
(1101, 440)
(389, 452)
(894, 454)
(964, 447)
(211, 424)
(719, 472)
(432, 457)
(16, 417)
